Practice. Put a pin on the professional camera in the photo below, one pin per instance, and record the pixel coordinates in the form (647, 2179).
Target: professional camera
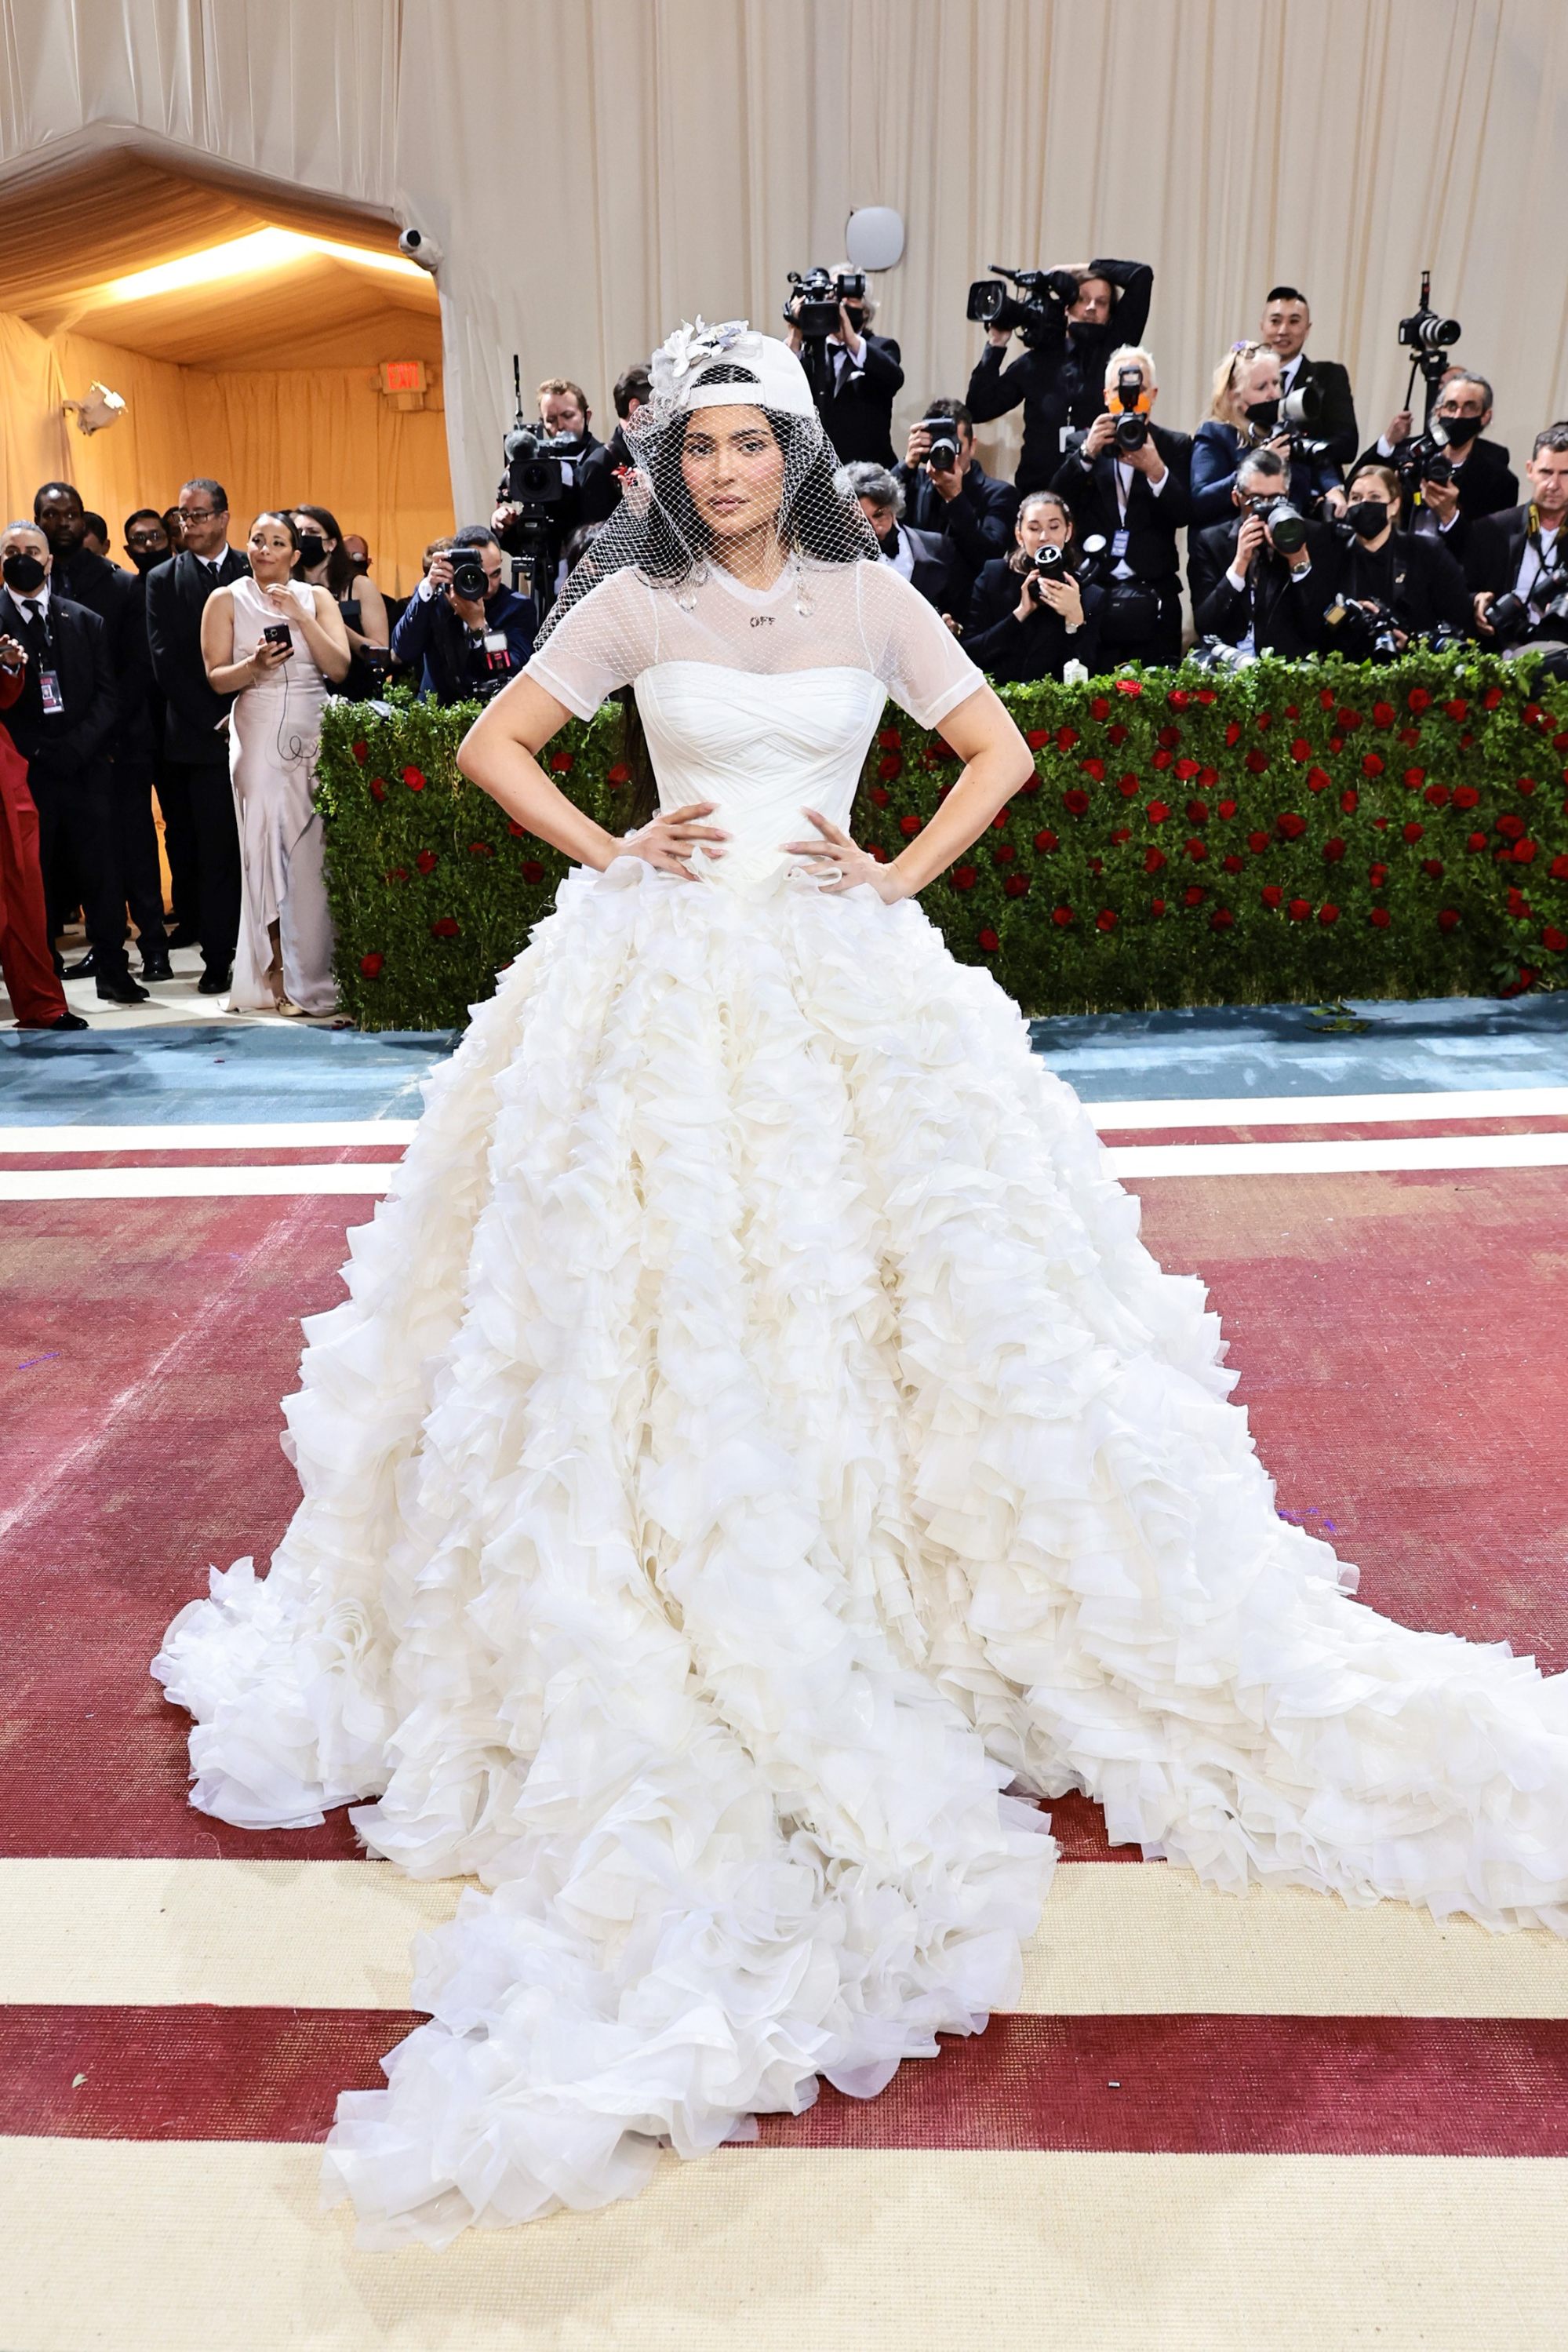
(1285, 523)
(1360, 634)
(943, 454)
(468, 579)
(1048, 562)
(1424, 459)
(813, 307)
(1423, 330)
(1132, 430)
(1037, 316)
(1512, 616)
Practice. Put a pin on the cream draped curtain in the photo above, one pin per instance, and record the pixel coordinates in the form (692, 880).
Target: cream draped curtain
(594, 172)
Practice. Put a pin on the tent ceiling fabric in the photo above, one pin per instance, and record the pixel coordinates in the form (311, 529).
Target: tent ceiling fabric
(109, 214)
(593, 172)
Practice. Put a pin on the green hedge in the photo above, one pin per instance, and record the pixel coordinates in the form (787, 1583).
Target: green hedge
(1280, 833)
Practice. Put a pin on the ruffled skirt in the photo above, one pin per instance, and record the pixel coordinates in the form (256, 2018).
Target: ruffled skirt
(755, 1442)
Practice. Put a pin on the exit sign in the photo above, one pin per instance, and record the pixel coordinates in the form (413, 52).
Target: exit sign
(402, 375)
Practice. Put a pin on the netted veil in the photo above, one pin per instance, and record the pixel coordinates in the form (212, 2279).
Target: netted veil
(656, 531)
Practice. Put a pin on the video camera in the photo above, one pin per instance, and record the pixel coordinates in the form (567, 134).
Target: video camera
(813, 307)
(535, 483)
(1038, 316)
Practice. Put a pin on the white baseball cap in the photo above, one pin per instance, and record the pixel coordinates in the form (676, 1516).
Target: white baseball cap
(683, 359)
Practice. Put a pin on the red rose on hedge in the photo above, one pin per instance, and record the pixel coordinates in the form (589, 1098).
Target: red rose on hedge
(1156, 812)
(1524, 852)
(1435, 795)
(1272, 894)
(1221, 919)
(1381, 917)
(361, 751)
(1105, 920)
(1156, 906)
(1227, 808)
(561, 763)
(1003, 855)
(989, 942)
(1511, 826)
(1117, 734)
(1186, 768)
(1326, 696)
(1300, 748)
(378, 787)
(1258, 843)
(1037, 738)
(1234, 865)
(1121, 834)
(1000, 818)
(1161, 759)
(372, 965)
(963, 877)
(1095, 768)
(1289, 826)
(1432, 865)
(480, 849)
(1075, 801)
(1153, 860)
(880, 796)
(1197, 850)
(1197, 810)
(515, 829)
(1348, 721)
(1099, 707)
(1046, 840)
(532, 871)
(1377, 876)
(415, 778)
(1232, 733)
(1458, 709)
(1333, 850)
(1205, 695)
(444, 928)
(1129, 686)
(1477, 840)
(1016, 885)
(1179, 698)
(1372, 764)
(1554, 939)
(1418, 698)
(618, 775)
(1559, 869)
(1065, 738)
(1491, 697)
(1413, 830)
(1383, 714)
(399, 873)
(1195, 894)
(1327, 915)
(1127, 786)
(1298, 909)
(1317, 779)
(1446, 918)
(1350, 801)
(1413, 779)
(1062, 916)
(427, 861)
(1526, 784)
(890, 764)
(909, 824)
(890, 739)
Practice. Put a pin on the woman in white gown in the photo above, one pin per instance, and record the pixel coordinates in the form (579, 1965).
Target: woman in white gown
(283, 960)
(756, 1440)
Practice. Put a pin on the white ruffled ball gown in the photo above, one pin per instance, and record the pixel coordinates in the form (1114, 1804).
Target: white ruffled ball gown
(754, 1442)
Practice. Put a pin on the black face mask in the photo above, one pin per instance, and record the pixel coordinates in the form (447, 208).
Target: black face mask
(1366, 517)
(147, 559)
(312, 550)
(1263, 414)
(1459, 430)
(24, 573)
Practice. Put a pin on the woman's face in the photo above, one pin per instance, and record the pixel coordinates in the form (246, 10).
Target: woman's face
(273, 554)
(304, 523)
(734, 469)
(1041, 526)
(1261, 380)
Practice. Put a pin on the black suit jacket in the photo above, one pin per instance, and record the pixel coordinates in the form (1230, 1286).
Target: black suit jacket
(1336, 424)
(71, 746)
(116, 597)
(1426, 587)
(1062, 379)
(939, 573)
(598, 477)
(1286, 614)
(1015, 652)
(1088, 486)
(978, 522)
(857, 414)
(177, 593)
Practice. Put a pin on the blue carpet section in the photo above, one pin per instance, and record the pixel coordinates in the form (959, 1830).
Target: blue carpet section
(207, 1073)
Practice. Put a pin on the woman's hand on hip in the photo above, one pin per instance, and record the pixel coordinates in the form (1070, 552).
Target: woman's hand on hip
(669, 840)
(836, 864)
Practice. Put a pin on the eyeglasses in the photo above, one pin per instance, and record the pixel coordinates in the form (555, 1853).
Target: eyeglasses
(199, 514)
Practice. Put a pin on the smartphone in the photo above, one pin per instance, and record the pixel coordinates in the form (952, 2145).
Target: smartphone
(279, 633)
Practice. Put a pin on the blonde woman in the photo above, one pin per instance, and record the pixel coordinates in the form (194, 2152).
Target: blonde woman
(276, 644)
(1244, 414)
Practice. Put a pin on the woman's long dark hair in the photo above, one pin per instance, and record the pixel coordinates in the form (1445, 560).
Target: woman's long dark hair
(340, 564)
(812, 524)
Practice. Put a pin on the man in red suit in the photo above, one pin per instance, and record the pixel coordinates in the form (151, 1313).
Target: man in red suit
(36, 997)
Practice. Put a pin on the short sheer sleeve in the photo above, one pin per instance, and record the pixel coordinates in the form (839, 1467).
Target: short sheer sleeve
(607, 639)
(913, 651)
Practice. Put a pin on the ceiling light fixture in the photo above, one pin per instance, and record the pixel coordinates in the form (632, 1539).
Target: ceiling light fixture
(245, 257)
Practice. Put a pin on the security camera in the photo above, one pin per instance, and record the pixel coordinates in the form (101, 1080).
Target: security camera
(414, 245)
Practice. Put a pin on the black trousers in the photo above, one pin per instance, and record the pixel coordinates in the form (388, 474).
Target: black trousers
(204, 797)
(78, 851)
(178, 842)
(136, 840)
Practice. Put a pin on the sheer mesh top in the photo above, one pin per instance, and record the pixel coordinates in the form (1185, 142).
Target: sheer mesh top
(859, 616)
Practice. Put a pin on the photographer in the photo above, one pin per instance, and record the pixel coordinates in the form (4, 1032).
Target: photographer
(1391, 584)
(599, 480)
(861, 376)
(1250, 591)
(565, 434)
(1286, 324)
(929, 562)
(1081, 314)
(948, 491)
(1243, 414)
(1512, 561)
(463, 632)
(1478, 481)
(1031, 613)
(1127, 483)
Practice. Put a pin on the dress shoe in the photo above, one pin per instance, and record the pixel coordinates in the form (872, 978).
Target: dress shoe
(86, 970)
(60, 1021)
(184, 935)
(213, 983)
(120, 990)
(155, 966)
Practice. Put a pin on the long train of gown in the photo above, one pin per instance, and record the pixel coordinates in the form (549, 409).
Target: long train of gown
(754, 1441)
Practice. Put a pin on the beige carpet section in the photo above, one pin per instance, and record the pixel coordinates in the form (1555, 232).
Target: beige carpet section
(221, 2248)
(1117, 1938)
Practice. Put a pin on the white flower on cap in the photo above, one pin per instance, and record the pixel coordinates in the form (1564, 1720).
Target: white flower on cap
(679, 363)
